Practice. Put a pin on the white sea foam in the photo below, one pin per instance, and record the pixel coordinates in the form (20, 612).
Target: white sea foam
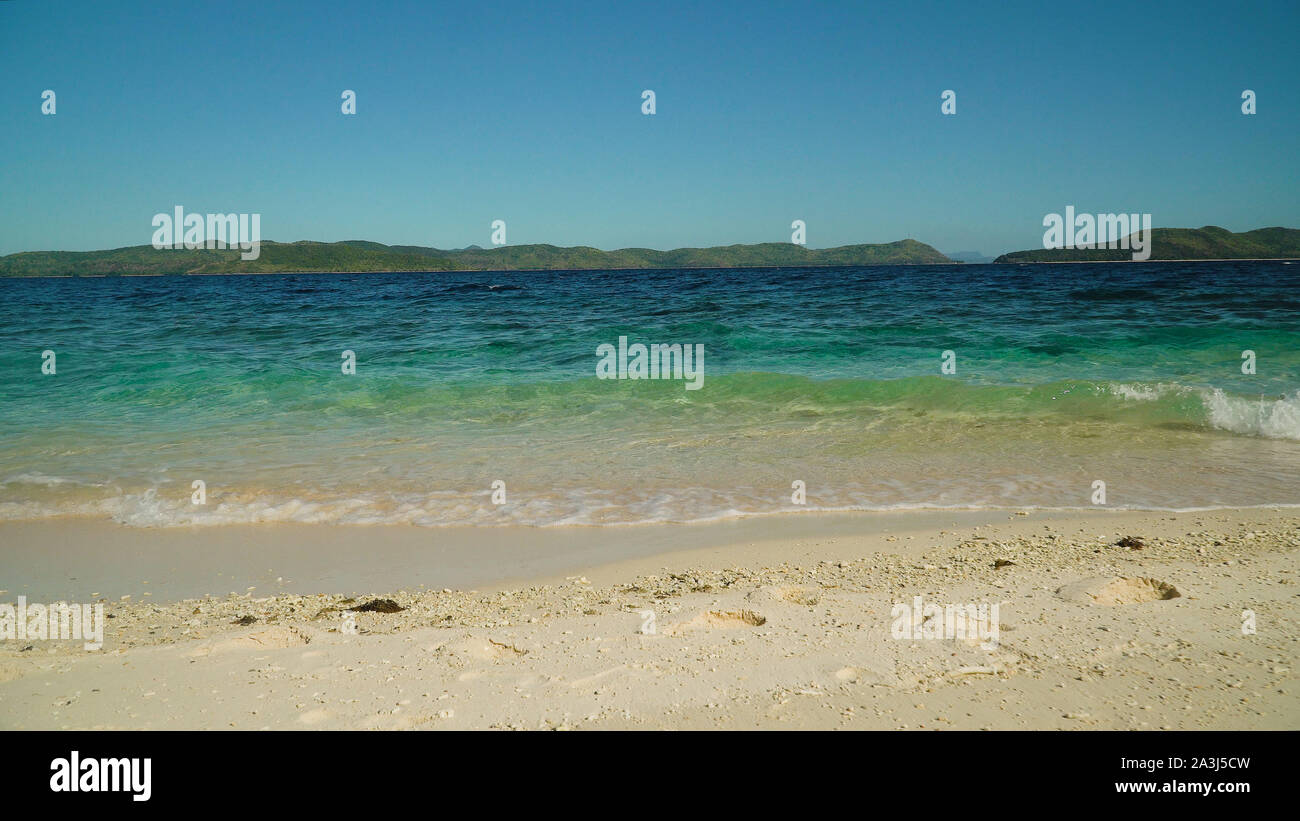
(1139, 392)
(39, 479)
(595, 508)
(1276, 418)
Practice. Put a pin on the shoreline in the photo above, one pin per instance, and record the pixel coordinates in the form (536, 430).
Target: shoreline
(97, 558)
(775, 627)
(80, 558)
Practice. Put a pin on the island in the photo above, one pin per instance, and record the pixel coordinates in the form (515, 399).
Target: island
(1208, 243)
(360, 256)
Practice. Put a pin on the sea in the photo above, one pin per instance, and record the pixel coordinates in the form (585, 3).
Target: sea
(476, 397)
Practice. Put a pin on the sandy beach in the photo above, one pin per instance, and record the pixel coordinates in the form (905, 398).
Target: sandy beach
(782, 622)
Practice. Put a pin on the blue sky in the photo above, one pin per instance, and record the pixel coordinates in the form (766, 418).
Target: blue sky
(531, 113)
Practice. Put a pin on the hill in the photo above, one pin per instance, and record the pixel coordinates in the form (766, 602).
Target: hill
(1210, 242)
(363, 256)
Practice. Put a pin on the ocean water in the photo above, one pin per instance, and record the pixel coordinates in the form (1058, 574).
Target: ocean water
(1065, 374)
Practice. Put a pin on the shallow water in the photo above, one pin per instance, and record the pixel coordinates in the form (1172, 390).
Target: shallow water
(1065, 374)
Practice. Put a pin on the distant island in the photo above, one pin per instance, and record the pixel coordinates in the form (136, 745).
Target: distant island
(361, 256)
(367, 257)
(973, 257)
(1210, 242)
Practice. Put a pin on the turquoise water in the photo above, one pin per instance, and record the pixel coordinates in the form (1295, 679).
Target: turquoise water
(1064, 375)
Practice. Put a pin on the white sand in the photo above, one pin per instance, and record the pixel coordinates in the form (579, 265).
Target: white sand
(757, 626)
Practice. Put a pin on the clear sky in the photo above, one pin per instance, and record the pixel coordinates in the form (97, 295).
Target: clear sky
(531, 112)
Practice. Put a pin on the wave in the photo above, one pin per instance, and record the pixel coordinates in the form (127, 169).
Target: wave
(150, 510)
(1271, 418)
(1156, 403)
(586, 452)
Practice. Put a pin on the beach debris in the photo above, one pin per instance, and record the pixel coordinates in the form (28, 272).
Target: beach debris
(379, 606)
(244, 621)
(1131, 542)
(516, 650)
